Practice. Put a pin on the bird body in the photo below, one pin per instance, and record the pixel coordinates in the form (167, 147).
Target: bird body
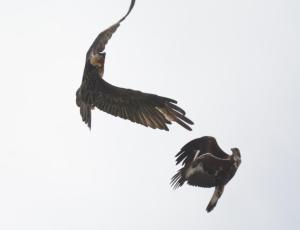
(206, 165)
(208, 171)
(147, 109)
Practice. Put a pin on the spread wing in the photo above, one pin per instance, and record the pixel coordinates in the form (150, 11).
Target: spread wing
(101, 40)
(198, 147)
(143, 108)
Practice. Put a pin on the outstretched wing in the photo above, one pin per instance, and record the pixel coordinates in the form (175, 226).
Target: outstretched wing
(198, 147)
(147, 109)
(101, 40)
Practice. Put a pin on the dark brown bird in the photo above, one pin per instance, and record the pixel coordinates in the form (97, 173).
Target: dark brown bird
(205, 164)
(147, 109)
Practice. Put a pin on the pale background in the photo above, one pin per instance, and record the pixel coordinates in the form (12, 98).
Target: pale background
(232, 65)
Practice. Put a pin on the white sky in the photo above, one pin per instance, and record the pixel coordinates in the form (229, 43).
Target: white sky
(232, 65)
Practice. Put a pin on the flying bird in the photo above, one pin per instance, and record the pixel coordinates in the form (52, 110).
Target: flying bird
(205, 164)
(147, 109)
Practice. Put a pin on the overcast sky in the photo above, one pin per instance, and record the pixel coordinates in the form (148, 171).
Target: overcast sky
(232, 65)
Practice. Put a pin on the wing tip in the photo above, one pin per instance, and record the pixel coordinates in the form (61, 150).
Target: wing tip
(184, 125)
(128, 12)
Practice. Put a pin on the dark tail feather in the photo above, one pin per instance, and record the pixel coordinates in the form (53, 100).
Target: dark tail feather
(86, 114)
(178, 179)
(129, 10)
(214, 200)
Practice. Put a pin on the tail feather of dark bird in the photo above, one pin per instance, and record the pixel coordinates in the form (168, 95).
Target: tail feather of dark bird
(177, 180)
(86, 114)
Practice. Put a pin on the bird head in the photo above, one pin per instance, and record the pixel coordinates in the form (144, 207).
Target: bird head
(236, 156)
(98, 60)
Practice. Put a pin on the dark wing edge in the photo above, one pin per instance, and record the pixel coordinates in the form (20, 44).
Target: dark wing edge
(101, 40)
(178, 179)
(147, 109)
(129, 10)
(202, 145)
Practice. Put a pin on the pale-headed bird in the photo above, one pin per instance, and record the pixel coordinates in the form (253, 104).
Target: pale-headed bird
(147, 109)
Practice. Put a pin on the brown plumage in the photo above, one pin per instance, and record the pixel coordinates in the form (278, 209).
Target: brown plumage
(147, 109)
(205, 164)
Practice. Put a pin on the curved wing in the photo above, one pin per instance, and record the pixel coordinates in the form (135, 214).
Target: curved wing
(198, 147)
(101, 40)
(143, 108)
